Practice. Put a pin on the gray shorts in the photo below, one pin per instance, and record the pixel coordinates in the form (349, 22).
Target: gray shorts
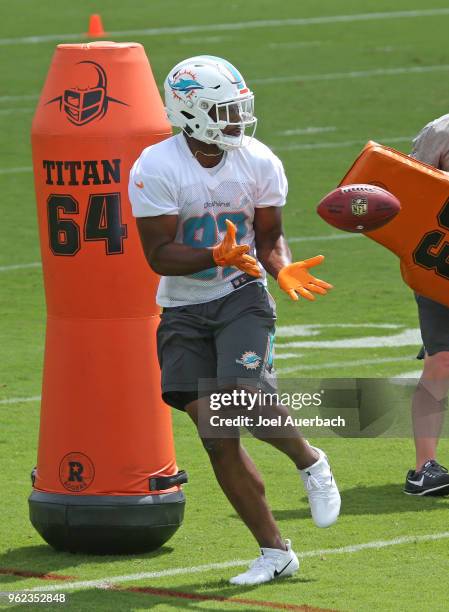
(228, 341)
(434, 324)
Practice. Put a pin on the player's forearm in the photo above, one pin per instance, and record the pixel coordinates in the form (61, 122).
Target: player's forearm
(274, 256)
(173, 259)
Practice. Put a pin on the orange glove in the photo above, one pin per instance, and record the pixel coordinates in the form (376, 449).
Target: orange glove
(229, 253)
(295, 278)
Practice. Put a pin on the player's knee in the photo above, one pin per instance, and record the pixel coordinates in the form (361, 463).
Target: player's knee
(437, 366)
(435, 376)
(219, 448)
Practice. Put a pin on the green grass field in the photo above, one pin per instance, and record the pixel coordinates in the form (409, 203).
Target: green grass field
(323, 88)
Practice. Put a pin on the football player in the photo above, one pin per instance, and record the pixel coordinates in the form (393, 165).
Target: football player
(431, 146)
(208, 203)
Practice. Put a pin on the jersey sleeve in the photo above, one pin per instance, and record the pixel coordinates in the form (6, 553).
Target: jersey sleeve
(272, 185)
(428, 146)
(150, 191)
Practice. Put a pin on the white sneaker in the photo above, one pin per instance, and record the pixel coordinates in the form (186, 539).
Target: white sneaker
(272, 563)
(324, 497)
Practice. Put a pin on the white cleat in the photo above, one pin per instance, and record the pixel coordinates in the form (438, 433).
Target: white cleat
(324, 497)
(272, 563)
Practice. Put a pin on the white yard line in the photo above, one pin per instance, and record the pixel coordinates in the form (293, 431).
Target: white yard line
(239, 25)
(406, 379)
(354, 74)
(339, 364)
(296, 44)
(34, 264)
(407, 376)
(20, 400)
(18, 98)
(406, 337)
(304, 330)
(204, 40)
(342, 236)
(11, 111)
(104, 583)
(307, 130)
(340, 143)
(16, 170)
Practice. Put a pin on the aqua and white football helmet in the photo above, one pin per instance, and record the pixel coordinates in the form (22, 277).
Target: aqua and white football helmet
(204, 95)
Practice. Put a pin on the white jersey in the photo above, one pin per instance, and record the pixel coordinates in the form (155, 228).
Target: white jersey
(431, 145)
(168, 180)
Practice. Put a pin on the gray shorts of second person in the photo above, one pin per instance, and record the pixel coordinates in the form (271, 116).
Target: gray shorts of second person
(228, 341)
(434, 324)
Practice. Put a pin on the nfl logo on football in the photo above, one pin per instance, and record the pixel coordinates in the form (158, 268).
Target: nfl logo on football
(359, 206)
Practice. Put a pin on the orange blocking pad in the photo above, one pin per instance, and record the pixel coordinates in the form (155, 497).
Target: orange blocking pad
(419, 235)
(101, 398)
(99, 108)
(106, 479)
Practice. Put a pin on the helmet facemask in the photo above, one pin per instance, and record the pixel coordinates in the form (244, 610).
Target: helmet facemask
(229, 122)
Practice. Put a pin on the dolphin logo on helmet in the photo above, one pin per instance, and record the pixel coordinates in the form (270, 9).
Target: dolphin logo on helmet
(185, 85)
(87, 98)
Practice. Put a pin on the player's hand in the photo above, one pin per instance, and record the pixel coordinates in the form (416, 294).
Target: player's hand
(296, 278)
(229, 253)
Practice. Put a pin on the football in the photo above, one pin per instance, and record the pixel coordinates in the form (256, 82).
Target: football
(358, 208)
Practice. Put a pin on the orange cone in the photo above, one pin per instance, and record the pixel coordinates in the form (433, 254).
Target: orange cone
(95, 27)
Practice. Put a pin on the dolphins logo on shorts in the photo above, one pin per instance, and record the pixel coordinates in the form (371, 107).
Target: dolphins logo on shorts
(250, 360)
